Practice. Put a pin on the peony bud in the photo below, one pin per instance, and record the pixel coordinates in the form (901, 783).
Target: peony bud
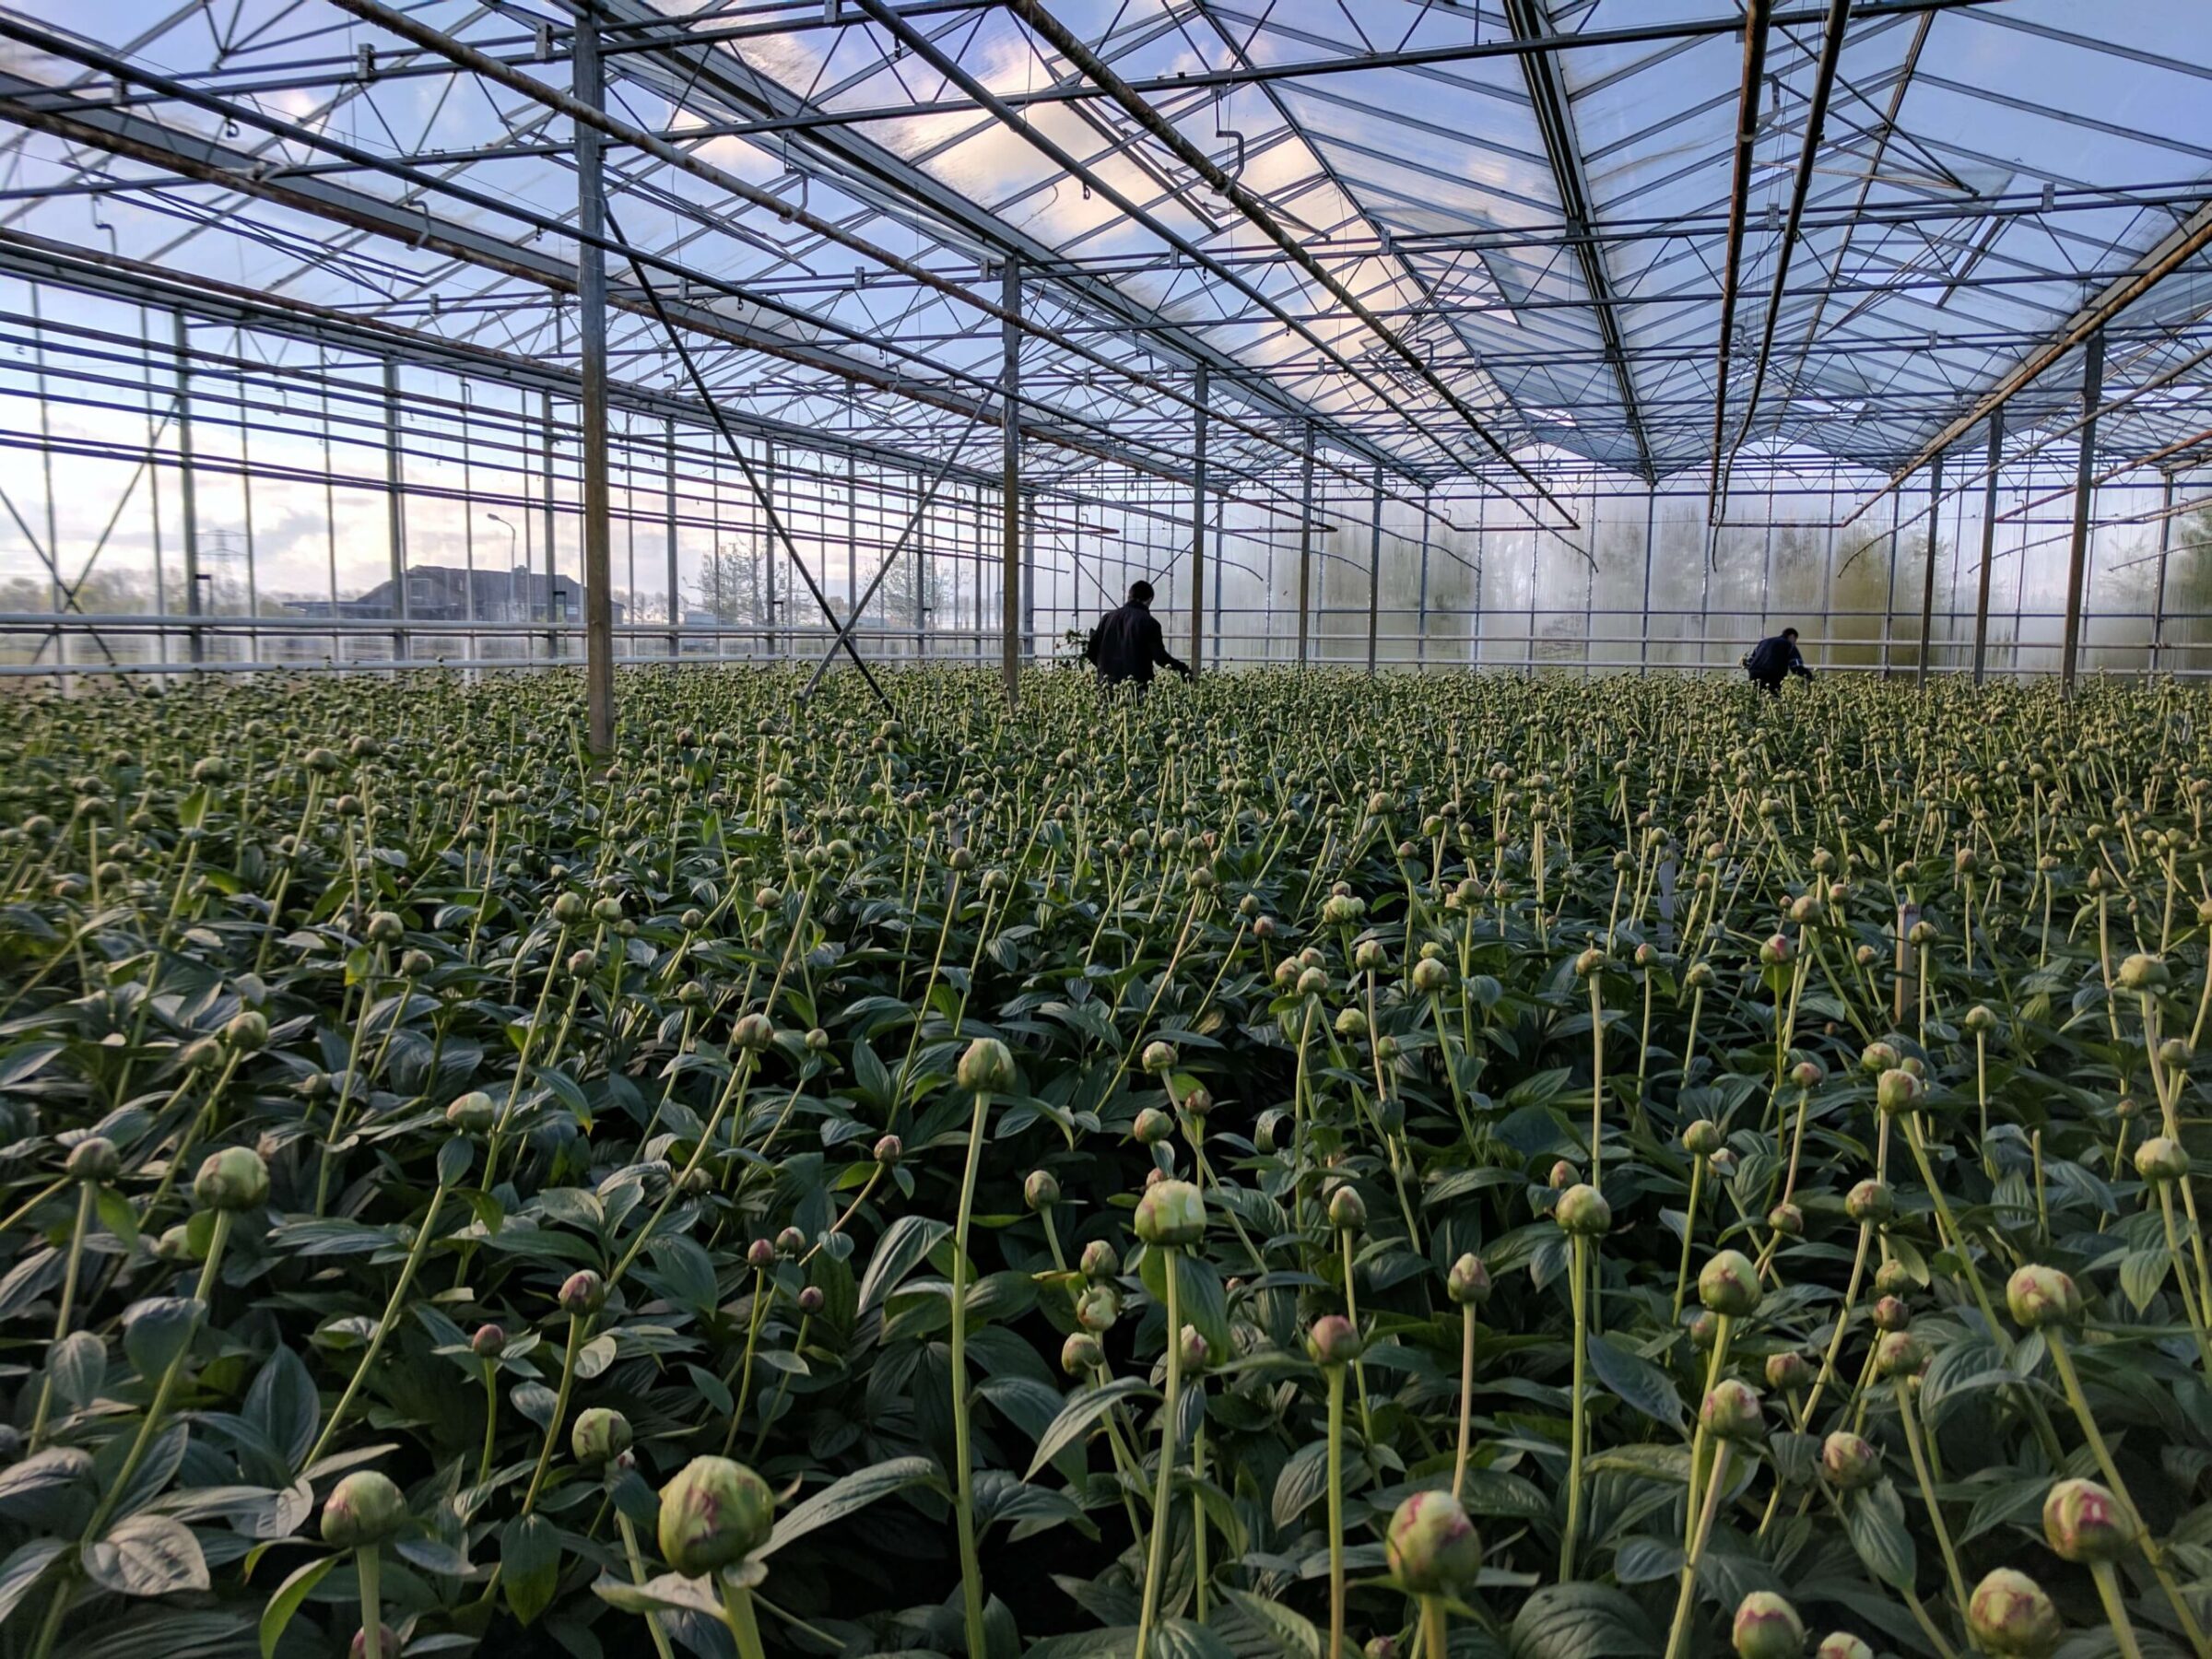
(95, 1159)
(987, 1067)
(473, 1113)
(1041, 1190)
(1160, 1057)
(1767, 1627)
(1898, 1353)
(1731, 1410)
(489, 1341)
(2142, 972)
(234, 1179)
(1849, 1461)
(1153, 1127)
(1099, 1261)
(1583, 1211)
(2161, 1160)
(1432, 1547)
(1788, 1371)
(1870, 1201)
(1469, 1283)
(364, 1508)
(599, 1437)
(1348, 1210)
(1841, 1644)
(1332, 1340)
(2042, 1296)
(1098, 1308)
(2083, 1522)
(1171, 1215)
(1081, 1354)
(1728, 1285)
(2009, 1614)
(753, 1034)
(247, 1032)
(713, 1513)
(1896, 1090)
(582, 1292)
(1702, 1138)
(888, 1149)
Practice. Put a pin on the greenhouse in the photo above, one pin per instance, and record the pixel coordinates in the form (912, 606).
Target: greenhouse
(1105, 829)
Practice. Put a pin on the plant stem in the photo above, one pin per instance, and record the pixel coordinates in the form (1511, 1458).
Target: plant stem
(1686, 1598)
(85, 1198)
(1335, 1511)
(637, 1576)
(1909, 1417)
(971, 1570)
(745, 1630)
(1467, 1397)
(367, 1561)
(2108, 1592)
(383, 1327)
(1578, 1270)
(1432, 1627)
(1155, 1555)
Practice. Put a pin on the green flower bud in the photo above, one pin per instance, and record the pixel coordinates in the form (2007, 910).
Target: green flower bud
(364, 1508)
(1890, 1314)
(1583, 1211)
(1432, 1547)
(987, 1067)
(2142, 972)
(1877, 1058)
(1788, 1371)
(887, 1151)
(1767, 1627)
(2161, 1160)
(1731, 1410)
(2083, 1522)
(1980, 1019)
(1041, 1190)
(247, 1032)
(599, 1437)
(1702, 1138)
(1099, 1260)
(2009, 1614)
(1332, 1340)
(1896, 1090)
(1171, 1215)
(1898, 1353)
(1469, 1283)
(1081, 1354)
(1870, 1201)
(1787, 1219)
(1348, 1210)
(386, 927)
(713, 1512)
(1892, 1278)
(582, 1292)
(94, 1159)
(473, 1113)
(489, 1341)
(1152, 1127)
(1430, 976)
(753, 1034)
(1160, 1057)
(2042, 1296)
(233, 1178)
(1098, 1309)
(1728, 1285)
(1841, 1644)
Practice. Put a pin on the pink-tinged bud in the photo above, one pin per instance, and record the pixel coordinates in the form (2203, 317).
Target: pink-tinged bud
(713, 1513)
(1583, 1211)
(488, 1343)
(2084, 1522)
(1469, 1283)
(1788, 1371)
(1870, 1201)
(2009, 1614)
(1731, 1410)
(1728, 1285)
(1702, 1138)
(582, 1292)
(1849, 1461)
(1896, 1090)
(1432, 1547)
(1332, 1340)
(2041, 1296)
(1171, 1215)
(1841, 1644)
(1767, 1627)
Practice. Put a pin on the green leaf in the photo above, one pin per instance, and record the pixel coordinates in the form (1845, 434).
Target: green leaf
(22, 1569)
(453, 1159)
(529, 1565)
(1877, 1524)
(1581, 1621)
(289, 1597)
(117, 1216)
(1305, 1476)
(904, 1247)
(670, 1593)
(1635, 1380)
(1077, 1418)
(146, 1554)
(78, 1365)
(1292, 1633)
(283, 1406)
(156, 1330)
(854, 1491)
(2141, 1273)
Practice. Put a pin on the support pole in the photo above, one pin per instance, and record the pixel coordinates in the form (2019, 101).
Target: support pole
(1651, 519)
(1989, 542)
(2085, 487)
(1927, 579)
(545, 413)
(396, 507)
(1305, 548)
(1374, 568)
(196, 643)
(1010, 483)
(591, 339)
(1198, 391)
(2158, 600)
(1029, 576)
(675, 601)
(1421, 638)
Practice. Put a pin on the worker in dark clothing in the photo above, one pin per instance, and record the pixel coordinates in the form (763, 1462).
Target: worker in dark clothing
(1772, 658)
(1126, 644)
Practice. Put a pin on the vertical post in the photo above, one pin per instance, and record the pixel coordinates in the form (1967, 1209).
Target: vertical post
(1029, 575)
(468, 536)
(1305, 546)
(1198, 392)
(1374, 567)
(1651, 519)
(1989, 542)
(852, 535)
(767, 544)
(1927, 579)
(676, 601)
(396, 508)
(1220, 565)
(1421, 638)
(2077, 552)
(1890, 587)
(1009, 345)
(196, 643)
(545, 414)
(2158, 600)
(590, 88)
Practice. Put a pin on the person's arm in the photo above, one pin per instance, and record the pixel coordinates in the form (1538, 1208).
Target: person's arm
(1156, 645)
(1797, 666)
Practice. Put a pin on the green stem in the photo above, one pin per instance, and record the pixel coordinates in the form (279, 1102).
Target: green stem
(560, 1410)
(367, 1561)
(2108, 1592)
(1686, 1598)
(1467, 1397)
(383, 1327)
(1335, 1511)
(1577, 1270)
(971, 1568)
(738, 1613)
(1909, 1416)
(637, 1576)
(85, 1200)
(1155, 1566)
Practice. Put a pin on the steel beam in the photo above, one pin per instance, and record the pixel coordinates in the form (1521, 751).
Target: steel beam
(396, 506)
(1198, 527)
(1740, 201)
(1009, 498)
(591, 317)
(2085, 486)
(1928, 581)
(1374, 570)
(1989, 542)
(1532, 23)
(1305, 550)
(2158, 602)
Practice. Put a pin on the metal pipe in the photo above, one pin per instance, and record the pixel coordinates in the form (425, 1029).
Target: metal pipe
(1197, 524)
(1305, 548)
(1927, 583)
(591, 327)
(396, 507)
(195, 647)
(1816, 123)
(1989, 538)
(2077, 552)
(1740, 202)
(2157, 603)
(1010, 483)
(1374, 568)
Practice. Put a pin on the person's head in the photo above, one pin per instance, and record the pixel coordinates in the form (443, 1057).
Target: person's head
(1790, 634)
(1140, 593)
